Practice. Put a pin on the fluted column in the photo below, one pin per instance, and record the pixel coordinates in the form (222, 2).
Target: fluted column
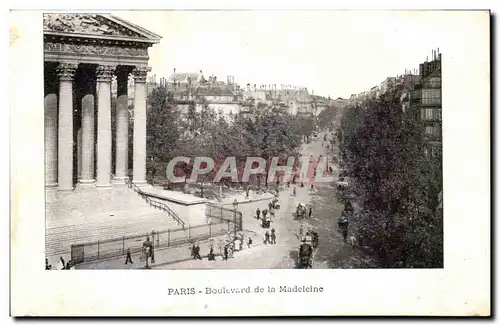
(51, 140)
(140, 74)
(104, 76)
(88, 125)
(66, 73)
(121, 170)
(87, 151)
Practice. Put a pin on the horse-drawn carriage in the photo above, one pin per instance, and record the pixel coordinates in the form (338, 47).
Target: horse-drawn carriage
(301, 211)
(274, 204)
(309, 242)
(266, 222)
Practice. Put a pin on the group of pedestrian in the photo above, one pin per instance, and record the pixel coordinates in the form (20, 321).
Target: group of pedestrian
(62, 265)
(270, 238)
(195, 251)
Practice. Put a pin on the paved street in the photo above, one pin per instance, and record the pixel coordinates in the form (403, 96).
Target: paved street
(332, 252)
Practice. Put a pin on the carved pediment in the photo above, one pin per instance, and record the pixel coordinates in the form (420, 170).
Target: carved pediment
(91, 24)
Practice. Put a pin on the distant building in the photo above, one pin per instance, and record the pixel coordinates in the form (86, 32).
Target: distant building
(387, 85)
(374, 92)
(426, 105)
(319, 104)
(195, 89)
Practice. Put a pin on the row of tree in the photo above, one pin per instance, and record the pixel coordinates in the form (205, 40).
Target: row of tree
(262, 131)
(396, 185)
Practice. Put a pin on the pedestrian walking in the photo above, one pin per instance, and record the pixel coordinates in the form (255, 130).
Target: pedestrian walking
(193, 251)
(310, 211)
(288, 184)
(312, 187)
(266, 237)
(249, 242)
(225, 253)
(258, 213)
(197, 252)
(129, 257)
(273, 236)
(294, 192)
(264, 213)
(147, 248)
(211, 255)
(62, 264)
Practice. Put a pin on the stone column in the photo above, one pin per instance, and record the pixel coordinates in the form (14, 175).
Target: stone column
(87, 158)
(140, 74)
(121, 169)
(104, 76)
(79, 153)
(66, 73)
(51, 140)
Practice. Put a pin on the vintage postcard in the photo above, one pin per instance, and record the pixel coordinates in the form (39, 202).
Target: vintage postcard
(203, 158)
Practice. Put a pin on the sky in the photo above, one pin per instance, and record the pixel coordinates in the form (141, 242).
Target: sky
(332, 53)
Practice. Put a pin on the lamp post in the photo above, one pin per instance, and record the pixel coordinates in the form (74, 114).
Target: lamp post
(235, 206)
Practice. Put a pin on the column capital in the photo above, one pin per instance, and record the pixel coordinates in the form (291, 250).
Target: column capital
(66, 71)
(140, 74)
(105, 73)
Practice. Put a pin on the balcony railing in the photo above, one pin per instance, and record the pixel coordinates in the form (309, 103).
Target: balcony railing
(431, 101)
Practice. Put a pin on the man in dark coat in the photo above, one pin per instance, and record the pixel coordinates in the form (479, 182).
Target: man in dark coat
(129, 257)
(148, 250)
(266, 237)
(273, 236)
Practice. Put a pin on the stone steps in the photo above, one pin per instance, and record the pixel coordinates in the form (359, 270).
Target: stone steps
(93, 215)
(60, 242)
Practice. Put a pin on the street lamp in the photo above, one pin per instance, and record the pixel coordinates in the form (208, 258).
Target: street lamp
(235, 206)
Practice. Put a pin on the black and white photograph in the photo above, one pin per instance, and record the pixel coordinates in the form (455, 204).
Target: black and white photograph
(239, 140)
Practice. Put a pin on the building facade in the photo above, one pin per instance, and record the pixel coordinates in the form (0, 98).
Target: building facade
(426, 104)
(82, 55)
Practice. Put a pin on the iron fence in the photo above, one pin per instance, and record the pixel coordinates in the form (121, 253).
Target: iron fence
(217, 214)
(220, 221)
(116, 247)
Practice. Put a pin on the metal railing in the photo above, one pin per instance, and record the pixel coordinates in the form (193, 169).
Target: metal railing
(218, 213)
(116, 247)
(220, 222)
(157, 204)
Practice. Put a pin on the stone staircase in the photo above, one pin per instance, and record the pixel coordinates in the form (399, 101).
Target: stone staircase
(90, 215)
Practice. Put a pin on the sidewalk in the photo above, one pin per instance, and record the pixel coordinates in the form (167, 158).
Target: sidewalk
(242, 199)
(163, 256)
(258, 255)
